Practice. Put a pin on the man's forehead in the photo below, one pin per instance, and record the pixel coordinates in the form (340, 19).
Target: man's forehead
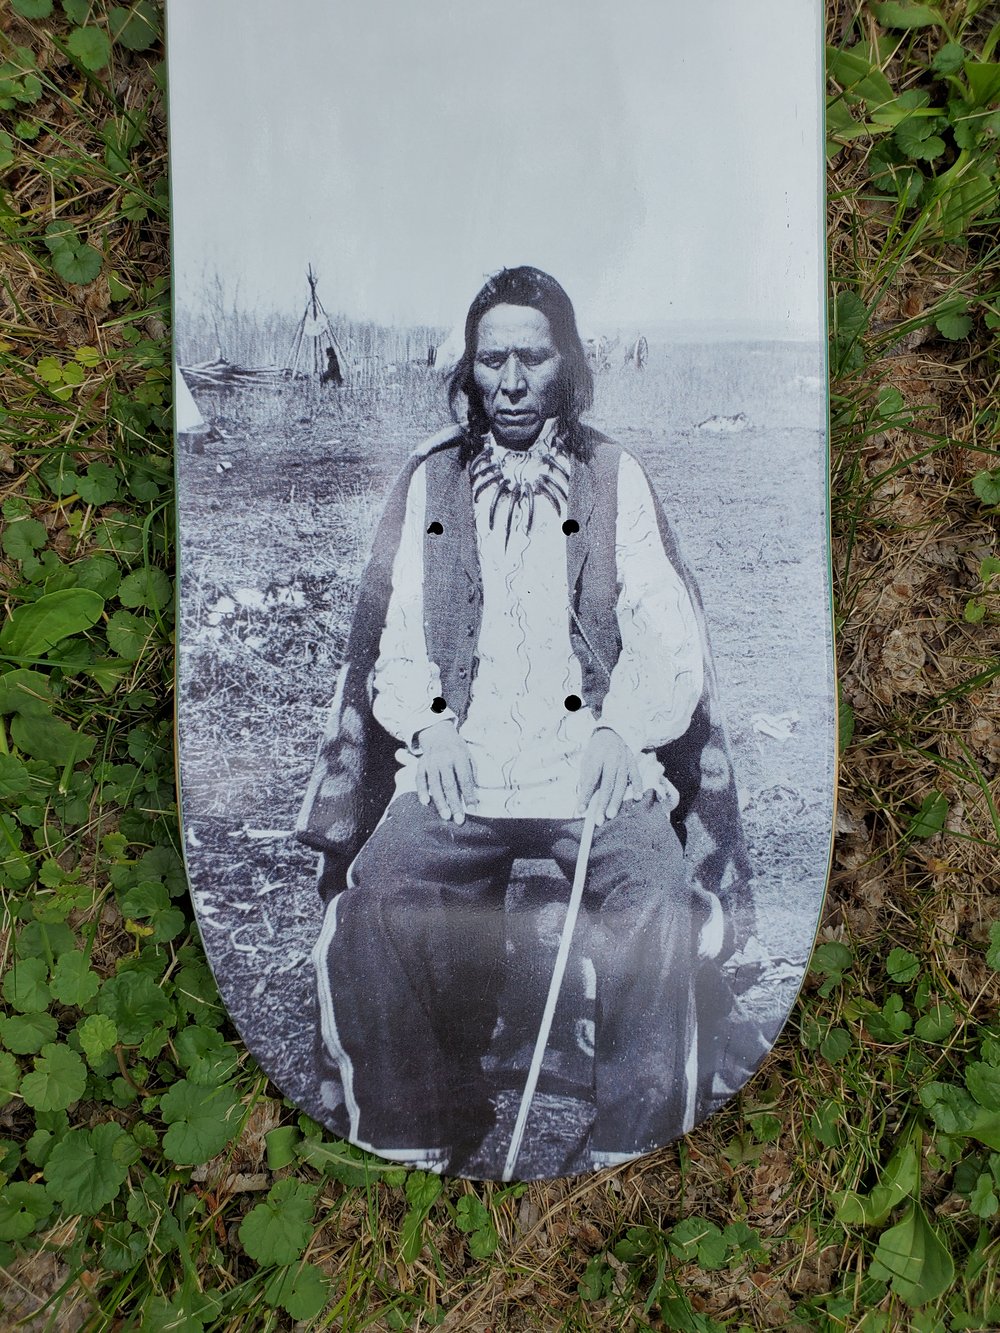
(513, 326)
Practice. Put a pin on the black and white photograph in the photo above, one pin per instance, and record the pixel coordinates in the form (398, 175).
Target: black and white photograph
(506, 709)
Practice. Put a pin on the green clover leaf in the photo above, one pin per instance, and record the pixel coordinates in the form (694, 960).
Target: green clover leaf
(26, 1034)
(99, 574)
(301, 1291)
(149, 901)
(135, 28)
(92, 47)
(936, 1024)
(202, 1121)
(951, 1108)
(134, 1003)
(15, 780)
(22, 539)
(72, 980)
(149, 587)
(279, 1229)
(128, 635)
(87, 1168)
(99, 485)
(915, 138)
(698, 1238)
(24, 985)
(983, 1200)
(836, 1044)
(474, 1217)
(57, 1080)
(78, 266)
(954, 325)
(949, 59)
(23, 1206)
(598, 1279)
(983, 1081)
(122, 1248)
(32, 9)
(98, 1035)
(902, 966)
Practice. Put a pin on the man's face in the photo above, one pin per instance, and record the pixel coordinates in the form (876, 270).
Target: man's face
(518, 372)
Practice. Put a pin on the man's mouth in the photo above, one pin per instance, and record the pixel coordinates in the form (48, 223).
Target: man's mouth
(513, 415)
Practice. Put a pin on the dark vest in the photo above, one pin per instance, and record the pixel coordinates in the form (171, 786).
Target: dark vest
(453, 586)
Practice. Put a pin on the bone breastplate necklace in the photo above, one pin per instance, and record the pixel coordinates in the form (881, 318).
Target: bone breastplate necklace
(511, 480)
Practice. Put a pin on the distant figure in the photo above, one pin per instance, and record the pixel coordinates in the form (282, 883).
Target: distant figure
(431, 356)
(333, 374)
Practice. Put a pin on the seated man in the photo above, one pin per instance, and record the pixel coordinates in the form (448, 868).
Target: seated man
(529, 645)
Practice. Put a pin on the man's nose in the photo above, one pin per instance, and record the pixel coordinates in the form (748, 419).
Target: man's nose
(512, 376)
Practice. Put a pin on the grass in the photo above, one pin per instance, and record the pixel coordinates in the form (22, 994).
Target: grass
(153, 1178)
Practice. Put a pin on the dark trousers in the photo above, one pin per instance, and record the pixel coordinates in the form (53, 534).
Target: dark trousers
(413, 957)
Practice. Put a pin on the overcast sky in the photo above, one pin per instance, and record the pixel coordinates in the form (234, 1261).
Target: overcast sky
(662, 159)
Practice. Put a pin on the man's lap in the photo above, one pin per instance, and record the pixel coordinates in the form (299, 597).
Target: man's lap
(413, 844)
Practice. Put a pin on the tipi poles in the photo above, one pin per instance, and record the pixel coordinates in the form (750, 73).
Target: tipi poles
(297, 343)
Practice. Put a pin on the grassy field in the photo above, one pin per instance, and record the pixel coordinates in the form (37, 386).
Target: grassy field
(152, 1177)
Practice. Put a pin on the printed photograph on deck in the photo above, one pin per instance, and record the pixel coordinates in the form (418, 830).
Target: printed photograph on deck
(506, 709)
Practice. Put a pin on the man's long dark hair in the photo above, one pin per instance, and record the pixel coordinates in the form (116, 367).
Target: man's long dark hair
(527, 286)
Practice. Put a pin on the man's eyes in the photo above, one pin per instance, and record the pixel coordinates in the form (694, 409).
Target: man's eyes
(527, 357)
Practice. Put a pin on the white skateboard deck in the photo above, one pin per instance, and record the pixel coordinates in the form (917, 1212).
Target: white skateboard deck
(502, 459)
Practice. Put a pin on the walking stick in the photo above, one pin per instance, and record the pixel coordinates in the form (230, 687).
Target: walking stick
(558, 972)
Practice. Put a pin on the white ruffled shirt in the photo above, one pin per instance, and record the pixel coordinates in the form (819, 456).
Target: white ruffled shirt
(526, 746)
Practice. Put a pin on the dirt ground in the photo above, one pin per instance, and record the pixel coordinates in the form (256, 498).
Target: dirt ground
(275, 524)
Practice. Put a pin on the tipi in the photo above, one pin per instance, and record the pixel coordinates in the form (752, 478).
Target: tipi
(316, 349)
(192, 430)
(450, 352)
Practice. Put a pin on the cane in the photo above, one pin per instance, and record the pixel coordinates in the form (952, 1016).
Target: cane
(558, 972)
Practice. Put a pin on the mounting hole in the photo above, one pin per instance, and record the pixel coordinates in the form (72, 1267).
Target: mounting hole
(571, 526)
(573, 702)
(436, 528)
(438, 705)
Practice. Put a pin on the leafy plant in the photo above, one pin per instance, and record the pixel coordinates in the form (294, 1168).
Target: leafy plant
(278, 1230)
(422, 1191)
(475, 1220)
(74, 260)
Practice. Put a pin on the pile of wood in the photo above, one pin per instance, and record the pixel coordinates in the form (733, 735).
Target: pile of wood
(220, 373)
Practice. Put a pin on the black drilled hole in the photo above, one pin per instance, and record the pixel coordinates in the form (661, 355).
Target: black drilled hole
(436, 528)
(573, 702)
(571, 526)
(438, 705)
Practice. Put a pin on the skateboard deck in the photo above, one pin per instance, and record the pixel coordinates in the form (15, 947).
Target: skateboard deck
(506, 707)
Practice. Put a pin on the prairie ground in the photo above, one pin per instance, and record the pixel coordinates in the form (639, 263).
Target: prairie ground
(276, 521)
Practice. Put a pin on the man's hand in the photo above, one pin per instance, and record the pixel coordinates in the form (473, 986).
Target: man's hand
(609, 768)
(444, 772)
